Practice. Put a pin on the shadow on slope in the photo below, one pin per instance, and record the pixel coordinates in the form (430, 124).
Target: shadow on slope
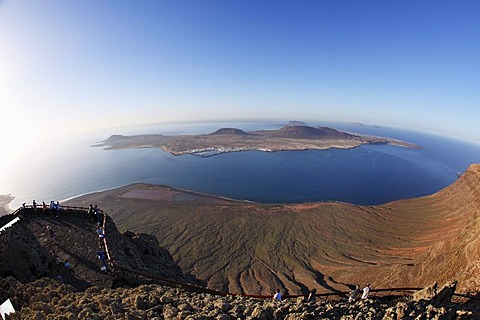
(28, 252)
(255, 248)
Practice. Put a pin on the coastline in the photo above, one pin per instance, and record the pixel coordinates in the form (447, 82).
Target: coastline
(294, 138)
(235, 229)
(141, 185)
(217, 151)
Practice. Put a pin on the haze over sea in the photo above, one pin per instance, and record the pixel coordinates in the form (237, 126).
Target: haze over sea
(370, 174)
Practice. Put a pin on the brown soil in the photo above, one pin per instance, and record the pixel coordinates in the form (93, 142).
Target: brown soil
(255, 248)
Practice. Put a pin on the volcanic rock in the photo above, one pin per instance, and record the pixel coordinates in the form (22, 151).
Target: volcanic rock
(431, 293)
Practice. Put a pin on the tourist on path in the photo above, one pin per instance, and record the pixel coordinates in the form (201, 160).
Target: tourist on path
(277, 296)
(57, 209)
(69, 267)
(366, 291)
(44, 206)
(354, 294)
(34, 204)
(97, 214)
(51, 233)
(91, 212)
(311, 295)
(100, 232)
(102, 257)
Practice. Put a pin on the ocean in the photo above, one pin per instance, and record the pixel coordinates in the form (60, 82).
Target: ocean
(367, 175)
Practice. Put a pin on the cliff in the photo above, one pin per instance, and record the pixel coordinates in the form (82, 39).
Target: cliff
(255, 248)
(27, 251)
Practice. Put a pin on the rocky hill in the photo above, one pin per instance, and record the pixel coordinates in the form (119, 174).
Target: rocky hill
(255, 248)
(229, 131)
(307, 132)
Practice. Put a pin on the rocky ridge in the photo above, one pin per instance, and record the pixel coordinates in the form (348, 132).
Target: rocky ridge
(49, 299)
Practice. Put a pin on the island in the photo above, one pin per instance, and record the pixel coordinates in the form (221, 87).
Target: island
(287, 138)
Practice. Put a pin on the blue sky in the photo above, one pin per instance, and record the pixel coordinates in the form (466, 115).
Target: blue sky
(68, 66)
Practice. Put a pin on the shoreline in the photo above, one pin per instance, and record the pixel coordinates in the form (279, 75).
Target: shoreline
(217, 197)
(218, 151)
(288, 138)
(158, 186)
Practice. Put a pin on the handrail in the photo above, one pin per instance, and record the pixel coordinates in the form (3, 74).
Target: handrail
(109, 258)
(9, 224)
(213, 291)
(466, 296)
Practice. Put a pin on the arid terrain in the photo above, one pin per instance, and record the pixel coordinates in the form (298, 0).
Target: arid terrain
(40, 288)
(408, 243)
(232, 139)
(255, 248)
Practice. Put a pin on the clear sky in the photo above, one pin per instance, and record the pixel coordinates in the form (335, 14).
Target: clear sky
(74, 65)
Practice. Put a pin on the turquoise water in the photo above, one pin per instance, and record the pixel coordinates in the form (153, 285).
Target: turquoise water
(369, 174)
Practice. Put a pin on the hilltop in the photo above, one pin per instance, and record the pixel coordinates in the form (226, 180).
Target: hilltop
(290, 137)
(306, 132)
(255, 248)
(229, 131)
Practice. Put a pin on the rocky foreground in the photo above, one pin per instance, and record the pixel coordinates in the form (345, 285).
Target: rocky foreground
(49, 299)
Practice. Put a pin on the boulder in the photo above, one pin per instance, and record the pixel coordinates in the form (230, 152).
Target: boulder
(432, 293)
(445, 294)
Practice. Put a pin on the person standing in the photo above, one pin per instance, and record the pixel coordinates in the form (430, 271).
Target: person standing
(57, 209)
(97, 214)
(34, 204)
(277, 296)
(100, 232)
(101, 256)
(51, 233)
(366, 291)
(354, 294)
(91, 212)
(69, 267)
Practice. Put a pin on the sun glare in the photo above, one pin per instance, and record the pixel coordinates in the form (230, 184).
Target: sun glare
(17, 135)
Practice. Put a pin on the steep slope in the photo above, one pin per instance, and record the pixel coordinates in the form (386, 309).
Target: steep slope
(28, 252)
(445, 231)
(254, 248)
